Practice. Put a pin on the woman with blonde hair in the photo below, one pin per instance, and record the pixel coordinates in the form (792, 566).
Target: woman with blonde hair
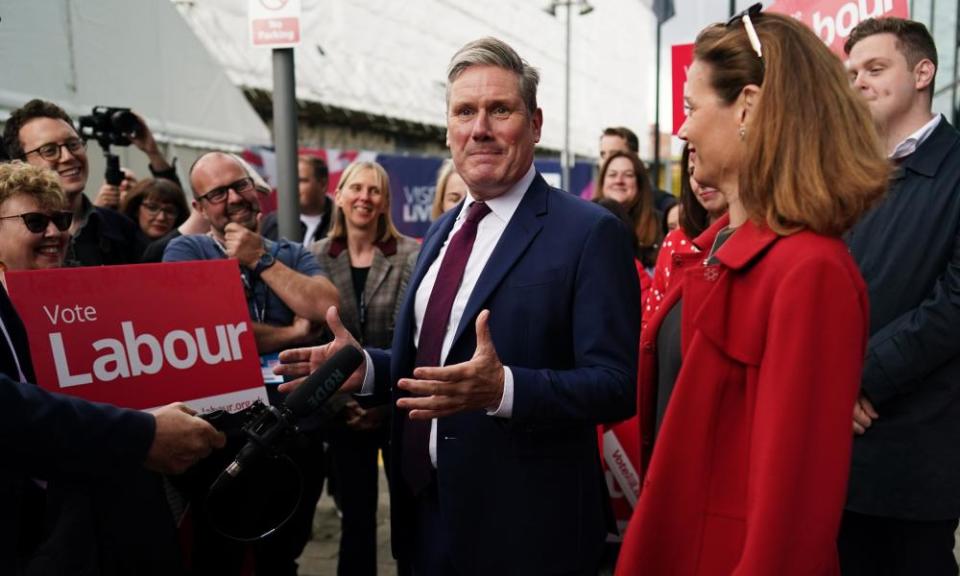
(450, 189)
(34, 220)
(370, 264)
(759, 344)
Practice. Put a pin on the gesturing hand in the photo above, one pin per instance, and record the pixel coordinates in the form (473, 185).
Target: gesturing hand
(302, 361)
(476, 384)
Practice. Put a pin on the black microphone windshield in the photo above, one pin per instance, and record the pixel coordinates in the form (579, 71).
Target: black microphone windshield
(323, 382)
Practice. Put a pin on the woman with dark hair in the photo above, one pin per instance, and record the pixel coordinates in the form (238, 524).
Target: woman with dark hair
(700, 206)
(370, 263)
(755, 355)
(157, 205)
(624, 178)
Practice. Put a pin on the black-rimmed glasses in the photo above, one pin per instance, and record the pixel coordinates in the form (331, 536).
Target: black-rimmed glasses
(51, 150)
(219, 194)
(37, 222)
(153, 209)
(747, 18)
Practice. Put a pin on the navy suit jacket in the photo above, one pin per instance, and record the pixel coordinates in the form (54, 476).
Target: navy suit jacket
(77, 446)
(525, 495)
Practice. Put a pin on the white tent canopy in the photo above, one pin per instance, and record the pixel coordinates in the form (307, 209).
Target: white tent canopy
(389, 57)
(131, 53)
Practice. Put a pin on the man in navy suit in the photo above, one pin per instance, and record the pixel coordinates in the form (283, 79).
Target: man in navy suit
(518, 335)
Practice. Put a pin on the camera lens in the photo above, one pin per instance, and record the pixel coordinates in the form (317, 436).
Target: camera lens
(125, 122)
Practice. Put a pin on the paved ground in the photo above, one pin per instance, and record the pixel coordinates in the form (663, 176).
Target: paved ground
(320, 556)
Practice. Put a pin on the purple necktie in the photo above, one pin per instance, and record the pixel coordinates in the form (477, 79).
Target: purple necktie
(415, 463)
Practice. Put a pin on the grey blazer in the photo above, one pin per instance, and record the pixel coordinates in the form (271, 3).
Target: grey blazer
(387, 281)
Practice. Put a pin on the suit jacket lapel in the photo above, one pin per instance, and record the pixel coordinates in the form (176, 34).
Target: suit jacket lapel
(520, 232)
(378, 273)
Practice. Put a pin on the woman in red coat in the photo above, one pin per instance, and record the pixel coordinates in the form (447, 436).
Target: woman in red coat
(759, 342)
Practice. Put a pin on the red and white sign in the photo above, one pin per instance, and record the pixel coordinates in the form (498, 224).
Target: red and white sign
(274, 23)
(831, 20)
(142, 336)
(620, 449)
(681, 57)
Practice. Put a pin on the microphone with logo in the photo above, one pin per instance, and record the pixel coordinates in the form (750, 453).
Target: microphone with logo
(274, 424)
(257, 493)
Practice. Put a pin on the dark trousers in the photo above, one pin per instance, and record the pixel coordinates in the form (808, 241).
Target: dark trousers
(876, 546)
(431, 550)
(354, 462)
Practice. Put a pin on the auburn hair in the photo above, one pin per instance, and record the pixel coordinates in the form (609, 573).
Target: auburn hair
(812, 156)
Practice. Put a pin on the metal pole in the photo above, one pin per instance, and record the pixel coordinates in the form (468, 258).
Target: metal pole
(565, 154)
(285, 144)
(733, 8)
(656, 116)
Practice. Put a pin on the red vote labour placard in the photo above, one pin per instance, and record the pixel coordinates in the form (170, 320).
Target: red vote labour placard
(142, 336)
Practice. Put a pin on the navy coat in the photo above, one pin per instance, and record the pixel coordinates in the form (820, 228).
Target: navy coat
(907, 464)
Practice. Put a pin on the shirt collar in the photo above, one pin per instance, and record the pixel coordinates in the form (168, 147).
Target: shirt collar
(910, 144)
(504, 205)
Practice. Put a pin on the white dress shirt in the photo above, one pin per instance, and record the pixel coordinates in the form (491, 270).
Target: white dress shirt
(489, 231)
(913, 141)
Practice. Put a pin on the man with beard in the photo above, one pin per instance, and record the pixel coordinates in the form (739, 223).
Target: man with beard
(287, 297)
(286, 293)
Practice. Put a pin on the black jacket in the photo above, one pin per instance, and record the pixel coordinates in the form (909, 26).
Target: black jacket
(907, 464)
(107, 238)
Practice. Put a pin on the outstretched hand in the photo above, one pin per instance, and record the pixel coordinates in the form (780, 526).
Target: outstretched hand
(299, 362)
(476, 384)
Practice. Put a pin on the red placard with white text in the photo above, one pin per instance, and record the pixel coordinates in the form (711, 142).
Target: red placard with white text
(681, 56)
(142, 336)
(831, 20)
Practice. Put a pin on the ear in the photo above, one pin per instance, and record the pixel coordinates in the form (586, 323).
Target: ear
(748, 99)
(537, 121)
(923, 74)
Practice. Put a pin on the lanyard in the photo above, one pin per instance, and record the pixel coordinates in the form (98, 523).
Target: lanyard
(259, 311)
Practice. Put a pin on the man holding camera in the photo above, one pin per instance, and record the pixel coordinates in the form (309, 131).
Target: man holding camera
(41, 133)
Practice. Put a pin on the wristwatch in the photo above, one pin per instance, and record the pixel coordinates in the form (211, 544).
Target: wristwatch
(266, 260)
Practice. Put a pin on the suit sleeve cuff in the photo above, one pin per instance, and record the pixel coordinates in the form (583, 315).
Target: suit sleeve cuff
(505, 409)
(369, 379)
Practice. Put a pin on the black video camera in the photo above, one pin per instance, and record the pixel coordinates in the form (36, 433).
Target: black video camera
(110, 126)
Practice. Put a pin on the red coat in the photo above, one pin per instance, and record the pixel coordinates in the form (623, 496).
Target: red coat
(750, 470)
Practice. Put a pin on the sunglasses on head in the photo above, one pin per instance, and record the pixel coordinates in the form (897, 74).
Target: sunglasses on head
(747, 18)
(37, 222)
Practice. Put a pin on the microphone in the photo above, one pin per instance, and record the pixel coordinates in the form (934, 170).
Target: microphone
(275, 423)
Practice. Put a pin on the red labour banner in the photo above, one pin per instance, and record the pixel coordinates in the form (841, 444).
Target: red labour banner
(681, 56)
(832, 20)
(142, 336)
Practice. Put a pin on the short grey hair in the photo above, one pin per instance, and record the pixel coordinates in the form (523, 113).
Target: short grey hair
(491, 51)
